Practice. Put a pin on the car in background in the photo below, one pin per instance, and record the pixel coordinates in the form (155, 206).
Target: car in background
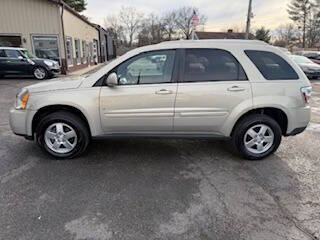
(19, 61)
(311, 69)
(314, 56)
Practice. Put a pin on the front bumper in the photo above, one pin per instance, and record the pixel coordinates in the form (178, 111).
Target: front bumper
(55, 71)
(21, 122)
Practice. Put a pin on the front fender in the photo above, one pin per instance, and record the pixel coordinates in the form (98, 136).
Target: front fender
(85, 100)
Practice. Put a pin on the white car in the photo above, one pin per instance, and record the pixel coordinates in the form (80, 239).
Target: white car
(245, 91)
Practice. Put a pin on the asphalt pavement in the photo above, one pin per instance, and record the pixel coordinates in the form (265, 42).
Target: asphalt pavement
(158, 189)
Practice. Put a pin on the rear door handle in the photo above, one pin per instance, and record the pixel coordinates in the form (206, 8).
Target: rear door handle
(236, 89)
(164, 92)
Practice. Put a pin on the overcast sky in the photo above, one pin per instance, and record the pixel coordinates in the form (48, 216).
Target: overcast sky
(222, 14)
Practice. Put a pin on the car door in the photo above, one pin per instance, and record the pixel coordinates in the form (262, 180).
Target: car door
(143, 100)
(212, 85)
(3, 62)
(16, 63)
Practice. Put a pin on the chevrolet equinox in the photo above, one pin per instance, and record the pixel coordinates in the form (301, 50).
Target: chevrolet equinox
(245, 91)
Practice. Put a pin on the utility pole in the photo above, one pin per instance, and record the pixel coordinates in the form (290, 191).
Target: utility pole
(249, 19)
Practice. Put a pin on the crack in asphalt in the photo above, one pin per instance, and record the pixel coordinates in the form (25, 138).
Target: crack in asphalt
(285, 212)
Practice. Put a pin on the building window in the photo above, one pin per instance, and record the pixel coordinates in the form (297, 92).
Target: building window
(84, 52)
(78, 51)
(69, 51)
(46, 47)
(91, 51)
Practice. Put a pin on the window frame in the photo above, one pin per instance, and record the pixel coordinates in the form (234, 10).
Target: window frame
(174, 76)
(182, 67)
(69, 39)
(263, 75)
(77, 49)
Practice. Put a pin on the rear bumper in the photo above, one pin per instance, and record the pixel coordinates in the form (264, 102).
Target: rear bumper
(299, 120)
(21, 122)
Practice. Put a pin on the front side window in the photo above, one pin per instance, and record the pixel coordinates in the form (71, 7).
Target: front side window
(148, 68)
(202, 65)
(271, 65)
(13, 53)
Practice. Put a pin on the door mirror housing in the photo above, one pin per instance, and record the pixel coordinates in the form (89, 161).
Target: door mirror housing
(21, 58)
(112, 80)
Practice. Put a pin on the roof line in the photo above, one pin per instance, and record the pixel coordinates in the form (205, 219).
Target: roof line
(74, 12)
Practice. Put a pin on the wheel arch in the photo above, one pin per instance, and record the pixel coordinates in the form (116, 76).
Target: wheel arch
(44, 111)
(276, 113)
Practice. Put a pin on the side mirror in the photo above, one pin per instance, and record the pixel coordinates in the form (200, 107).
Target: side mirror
(112, 80)
(21, 58)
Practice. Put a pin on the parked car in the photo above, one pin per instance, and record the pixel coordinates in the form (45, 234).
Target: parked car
(245, 91)
(313, 56)
(18, 61)
(311, 69)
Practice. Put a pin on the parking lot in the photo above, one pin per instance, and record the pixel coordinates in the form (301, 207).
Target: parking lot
(158, 189)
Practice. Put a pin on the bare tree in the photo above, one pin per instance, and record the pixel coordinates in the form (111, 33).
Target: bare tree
(183, 20)
(287, 34)
(169, 24)
(130, 19)
(114, 28)
(151, 31)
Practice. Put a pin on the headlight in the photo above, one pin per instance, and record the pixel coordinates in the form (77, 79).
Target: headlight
(22, 99)
(49, 63)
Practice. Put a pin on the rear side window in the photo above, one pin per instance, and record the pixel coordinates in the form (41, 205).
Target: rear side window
(272, 66)
(202, 65)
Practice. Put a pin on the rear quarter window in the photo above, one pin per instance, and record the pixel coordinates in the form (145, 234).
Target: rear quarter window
(271, 65)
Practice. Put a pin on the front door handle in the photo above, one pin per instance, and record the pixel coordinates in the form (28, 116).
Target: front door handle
(164, 92)
(236, 89)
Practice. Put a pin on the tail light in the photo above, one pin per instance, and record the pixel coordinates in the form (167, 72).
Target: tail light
(306, 93)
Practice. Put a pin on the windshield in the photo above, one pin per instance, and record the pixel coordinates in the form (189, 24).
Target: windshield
(301, 59)
(27, 54)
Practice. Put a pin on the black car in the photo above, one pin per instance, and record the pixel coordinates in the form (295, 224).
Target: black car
(18, 61)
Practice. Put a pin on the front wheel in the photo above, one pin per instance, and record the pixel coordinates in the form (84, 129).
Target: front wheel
(256, 137)
(40, 73)
(63, 135)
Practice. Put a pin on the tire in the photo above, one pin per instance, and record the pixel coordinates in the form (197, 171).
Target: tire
(40, 73)
(1, 76)
(68, 147)
(262, 145)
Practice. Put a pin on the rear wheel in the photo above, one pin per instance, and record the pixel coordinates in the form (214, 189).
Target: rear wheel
(256, 137)
(40, 73)
(1, 76)
(63, 135)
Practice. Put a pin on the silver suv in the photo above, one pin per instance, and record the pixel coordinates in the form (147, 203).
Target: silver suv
(247, 91)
